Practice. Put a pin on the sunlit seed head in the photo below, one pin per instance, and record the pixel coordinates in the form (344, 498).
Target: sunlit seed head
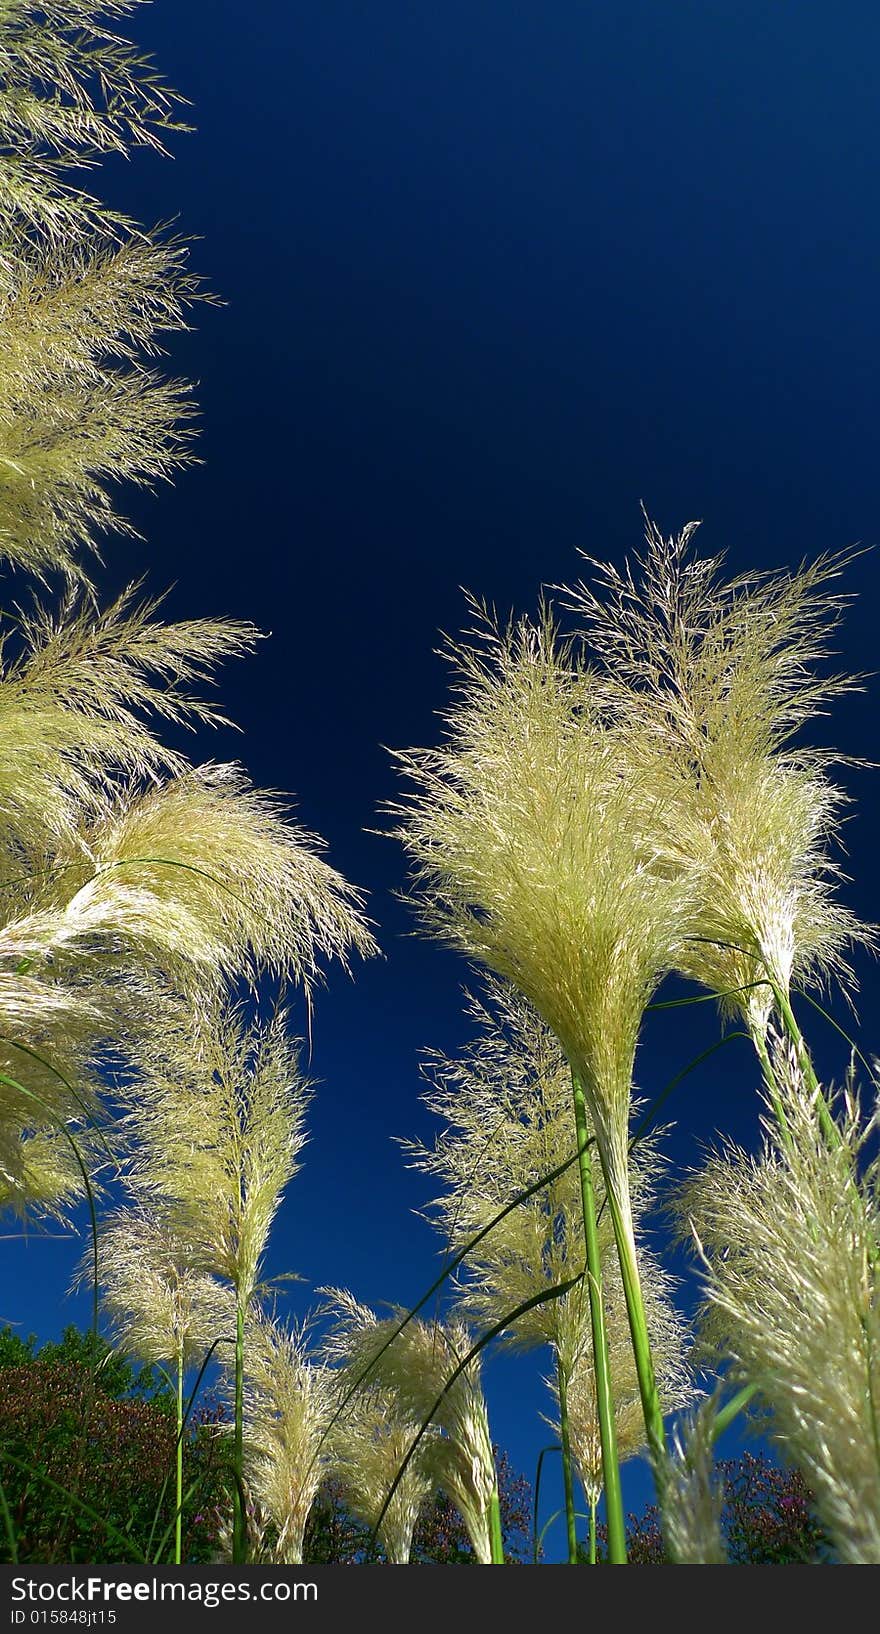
(788, 1243)
(530, 836)
(84, 295)
(711, 680)
(216, 1127)
(161, 1305)
(371, 1441)
(289, 1400)
(691, 1495)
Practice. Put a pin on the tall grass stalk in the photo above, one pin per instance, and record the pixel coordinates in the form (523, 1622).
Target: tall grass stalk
(217, 1125)
(638, 1324)
(496, 1533)
(178, 1488)
(239, 1530)
(604, 1395)
(163, 1308)
(513, 1080)
(804, 1061)
(567, 1479)
(759, 1040)
(530, 834)
(591, 1536)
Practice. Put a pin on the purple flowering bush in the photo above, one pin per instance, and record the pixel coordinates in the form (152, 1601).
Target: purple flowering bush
(767, 1518)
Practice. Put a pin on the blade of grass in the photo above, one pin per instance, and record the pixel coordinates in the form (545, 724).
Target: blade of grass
(553, 1447)
(601, 1366)
(732, 1409)
(703, 998)
(43, 1061)
(578, 1515)
(650, 1116)
(174, 1522)
(871, 1071)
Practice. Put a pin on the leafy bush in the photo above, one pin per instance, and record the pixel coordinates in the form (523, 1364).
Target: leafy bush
(86, 1446)
(767, 1519)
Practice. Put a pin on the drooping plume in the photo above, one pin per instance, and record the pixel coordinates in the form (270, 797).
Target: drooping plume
(416, 1368)
(370, 1442)
(289, 1399)
(85, 296)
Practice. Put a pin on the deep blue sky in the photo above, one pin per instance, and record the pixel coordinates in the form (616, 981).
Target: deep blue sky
(494, 272)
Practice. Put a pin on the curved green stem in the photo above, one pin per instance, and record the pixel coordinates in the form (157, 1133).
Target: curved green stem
(536, 1540)
(557, 1292)
(187, 1410)
(567, 1482)
(238, 1533)
(732, 1409)
(452, 1265)
(826, 1015)
(651, 1114)
(604, 1398)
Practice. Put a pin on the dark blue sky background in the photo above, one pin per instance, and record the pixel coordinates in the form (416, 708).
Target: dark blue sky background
(494, 272)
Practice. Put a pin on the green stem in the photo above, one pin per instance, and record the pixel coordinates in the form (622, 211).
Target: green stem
(769, 1076)
(496, 1536)
(802, 1055)
(604, 1399)
(238, 1534)
(178, 1522)
(568, 1484)
(592, 1557)
(638, 1327)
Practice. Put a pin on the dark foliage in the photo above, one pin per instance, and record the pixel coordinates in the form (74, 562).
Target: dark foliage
(768, 1519)
(86, 1445)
